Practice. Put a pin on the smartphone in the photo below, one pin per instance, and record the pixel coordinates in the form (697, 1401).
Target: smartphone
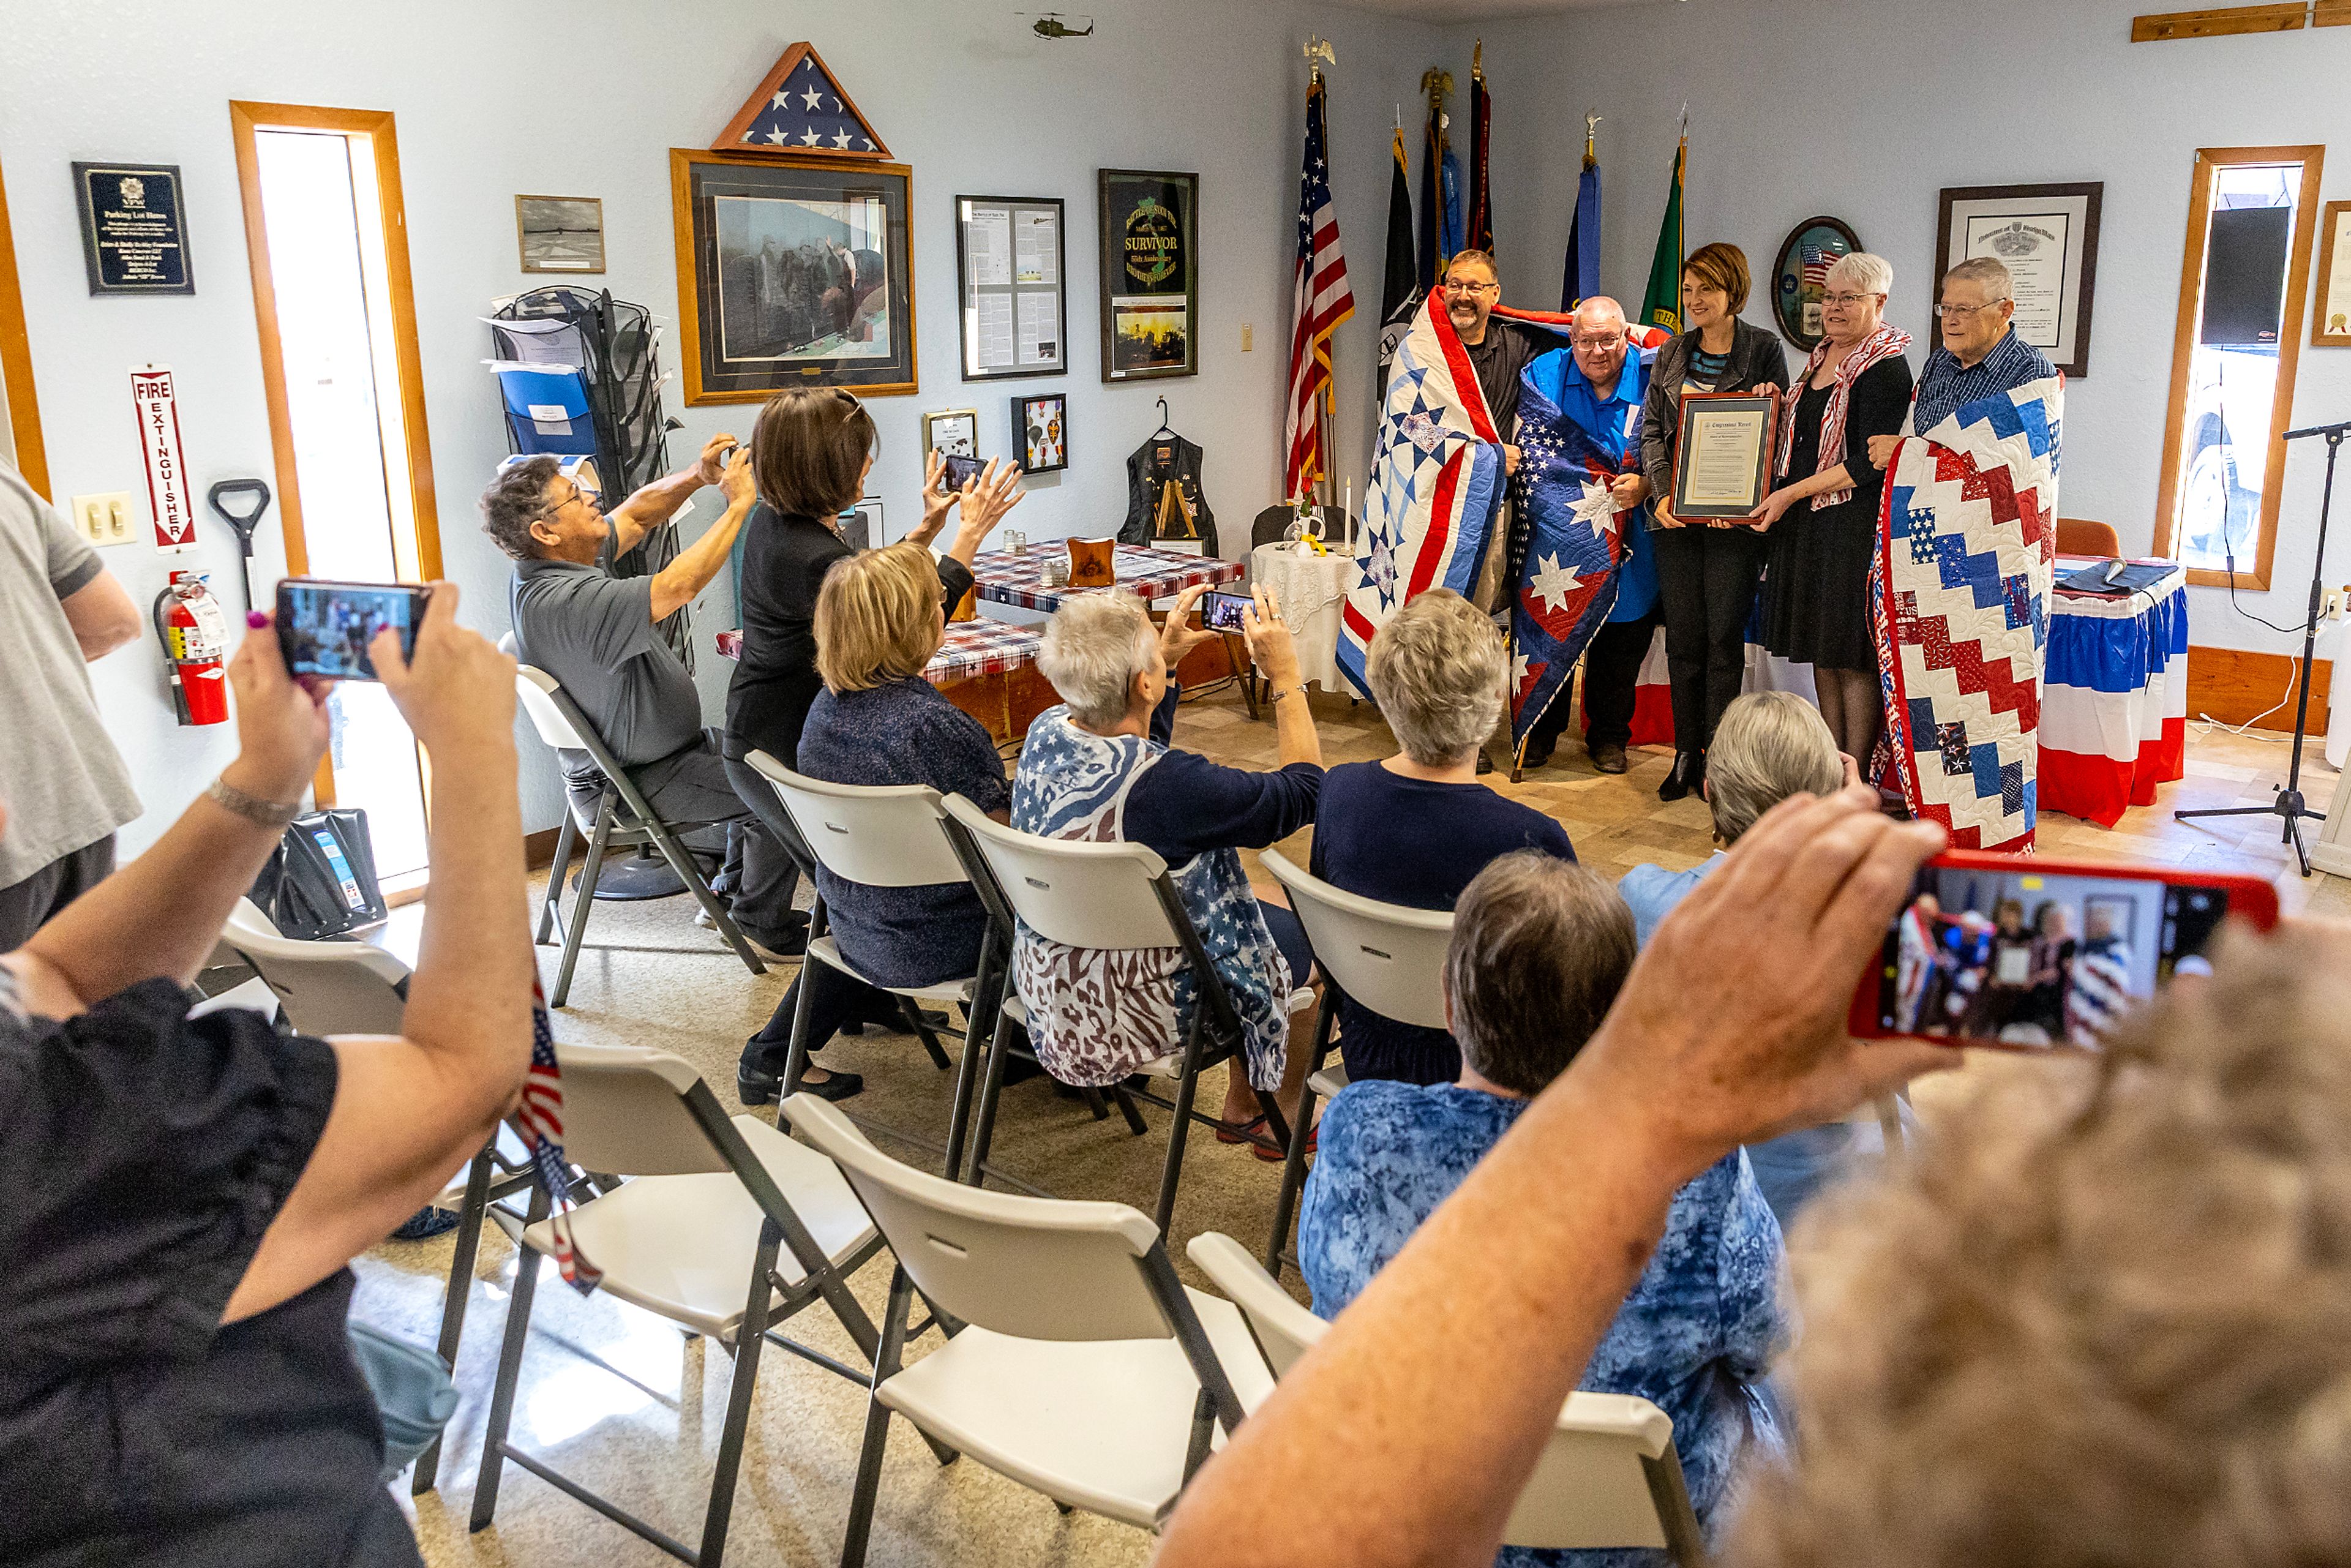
(2024, 952)
(961, 470)
(1222, 612)
(325, 628)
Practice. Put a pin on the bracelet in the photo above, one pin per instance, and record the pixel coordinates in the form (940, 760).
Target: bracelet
(1297, 690)
(261, 813)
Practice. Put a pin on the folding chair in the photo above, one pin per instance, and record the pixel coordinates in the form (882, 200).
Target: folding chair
(622, 819)
(1077, 1364)
(887, 836)
(1389, 958)
(1607, 1477)
(1113, 896)
(727, 1228)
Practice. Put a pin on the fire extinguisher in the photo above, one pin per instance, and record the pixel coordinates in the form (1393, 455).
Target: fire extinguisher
(195, 641)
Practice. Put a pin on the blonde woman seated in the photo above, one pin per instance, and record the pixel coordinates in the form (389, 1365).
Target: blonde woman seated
(877, 721)
(1099, 768)
(1414, 830)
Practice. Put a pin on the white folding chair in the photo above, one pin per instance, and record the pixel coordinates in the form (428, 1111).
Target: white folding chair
(622, 819)
(1608, 1477)
(1077, 1364)
(1109, 898)
(1389, 958)
(887, 836)
(727, 1228)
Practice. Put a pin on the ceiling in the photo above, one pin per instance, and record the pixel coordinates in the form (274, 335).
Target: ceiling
(1442, 11)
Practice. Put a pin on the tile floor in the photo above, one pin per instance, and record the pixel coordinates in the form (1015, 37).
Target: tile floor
(625, 1402)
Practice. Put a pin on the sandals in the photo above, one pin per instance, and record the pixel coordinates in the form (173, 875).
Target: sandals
(1255, 1134)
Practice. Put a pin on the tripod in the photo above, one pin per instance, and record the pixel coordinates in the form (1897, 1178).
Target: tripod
(2289, 803)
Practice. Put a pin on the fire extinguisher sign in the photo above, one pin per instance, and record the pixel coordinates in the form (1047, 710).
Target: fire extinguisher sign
(167, 475)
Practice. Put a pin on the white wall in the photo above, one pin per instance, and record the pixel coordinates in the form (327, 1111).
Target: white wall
(1865, 110)
(490, 101)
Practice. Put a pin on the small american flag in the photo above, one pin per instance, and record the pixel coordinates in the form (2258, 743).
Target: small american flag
(538, 1122)
(1818, 259)
(806, 113)
(1320, 300)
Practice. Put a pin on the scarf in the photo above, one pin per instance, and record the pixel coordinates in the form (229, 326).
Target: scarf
(1882, 344)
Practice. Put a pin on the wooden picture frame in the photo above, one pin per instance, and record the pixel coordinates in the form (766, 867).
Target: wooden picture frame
(953, 432)
(1040, 429)
(557, 220)
(1149, 285)
(2047, 235)
(1795, 296)
(1006, 282)
(1701, 408)
(742, 136)
(2330, 317)
(747, 317)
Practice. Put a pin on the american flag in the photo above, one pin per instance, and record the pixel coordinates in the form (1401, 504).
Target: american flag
(1818, 259)
(1320, 300)
(537, 1120)
(805, 113)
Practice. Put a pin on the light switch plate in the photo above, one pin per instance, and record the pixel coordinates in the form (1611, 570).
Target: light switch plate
(1248, 336)
(106, 519)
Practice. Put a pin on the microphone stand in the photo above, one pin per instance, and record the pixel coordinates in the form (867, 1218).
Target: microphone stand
(2289, 802)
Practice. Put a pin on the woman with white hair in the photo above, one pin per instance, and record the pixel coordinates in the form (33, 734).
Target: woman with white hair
(1816, 583)
(1098, 768)
(1417, 828)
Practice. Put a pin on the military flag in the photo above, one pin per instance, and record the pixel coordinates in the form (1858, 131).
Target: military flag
(1662, 305)
(1400, 290)
(1479, 235)
(1580, 278)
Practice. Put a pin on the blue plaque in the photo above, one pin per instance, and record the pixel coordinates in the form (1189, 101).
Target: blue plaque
(133, 233)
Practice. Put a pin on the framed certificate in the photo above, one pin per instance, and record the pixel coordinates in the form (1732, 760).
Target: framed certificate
(2330, 324)
(1722, 463)
(2047, 237)
(1015, 320)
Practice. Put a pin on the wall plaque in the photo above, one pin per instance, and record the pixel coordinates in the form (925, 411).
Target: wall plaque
(134, 237)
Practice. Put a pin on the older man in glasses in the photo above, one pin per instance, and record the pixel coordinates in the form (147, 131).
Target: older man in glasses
(1980, 353)
(594, 633)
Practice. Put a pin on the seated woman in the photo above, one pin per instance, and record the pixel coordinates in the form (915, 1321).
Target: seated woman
(1540, 949)
(1099, 768)
(1769, 746)
(878, 721)
(1415, 828)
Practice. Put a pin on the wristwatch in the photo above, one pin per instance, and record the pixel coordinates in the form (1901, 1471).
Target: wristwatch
(261, 813)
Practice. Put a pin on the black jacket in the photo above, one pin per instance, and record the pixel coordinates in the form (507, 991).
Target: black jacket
(1150, 468)
(1755, 359)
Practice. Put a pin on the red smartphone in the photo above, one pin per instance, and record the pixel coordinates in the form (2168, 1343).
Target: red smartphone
(2025, 953)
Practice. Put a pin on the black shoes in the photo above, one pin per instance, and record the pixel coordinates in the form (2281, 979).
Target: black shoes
(1689, 773)
(754, 1088)
(1608, 756)
(1538, 750)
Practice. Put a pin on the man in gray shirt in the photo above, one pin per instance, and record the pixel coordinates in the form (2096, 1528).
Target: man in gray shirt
(594, 633)
(65, 786)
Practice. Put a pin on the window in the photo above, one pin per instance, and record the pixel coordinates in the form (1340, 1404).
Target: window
(2251, 213)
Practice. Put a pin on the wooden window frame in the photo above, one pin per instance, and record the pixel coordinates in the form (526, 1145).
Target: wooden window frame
(2210, 162)
(245, 118)
(16, 361)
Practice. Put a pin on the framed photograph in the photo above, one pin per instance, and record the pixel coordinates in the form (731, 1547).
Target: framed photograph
(1722, 461)
(1014, 318)
(2048, 238)
(951, 432)
(2330, 324)
(792, 274)
(1042, 425)
(1800, 275)
(134, 236)
(1150, 273)
(560, 234)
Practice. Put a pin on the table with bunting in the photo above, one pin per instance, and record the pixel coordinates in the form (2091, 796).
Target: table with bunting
(1005, 578)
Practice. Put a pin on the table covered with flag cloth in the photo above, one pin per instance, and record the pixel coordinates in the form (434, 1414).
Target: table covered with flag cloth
(972, 648)
(1148, 574)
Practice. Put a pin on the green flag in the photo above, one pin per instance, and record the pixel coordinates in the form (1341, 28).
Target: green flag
(1662, 305)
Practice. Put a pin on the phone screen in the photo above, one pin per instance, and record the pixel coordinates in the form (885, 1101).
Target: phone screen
(2004, 954)
(1222, 612)
(961, 470)
(325, 627)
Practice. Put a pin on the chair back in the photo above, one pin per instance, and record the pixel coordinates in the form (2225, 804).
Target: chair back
(1035, 1268)
(1607, 1477)
(626, 1112)
(2080, 535)
(537, 692)
(1272, 524)
(1387, 957)
(329, 986)
(881, 836)
(1098, 896)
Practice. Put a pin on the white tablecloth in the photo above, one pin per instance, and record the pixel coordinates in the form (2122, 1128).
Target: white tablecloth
(1308, 588)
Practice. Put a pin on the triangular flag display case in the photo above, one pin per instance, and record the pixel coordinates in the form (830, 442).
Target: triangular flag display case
(798, 110)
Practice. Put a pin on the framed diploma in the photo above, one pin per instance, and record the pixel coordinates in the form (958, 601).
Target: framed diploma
(1010, 252)
(2047, 235)
(2330, 324)
(1722, 463)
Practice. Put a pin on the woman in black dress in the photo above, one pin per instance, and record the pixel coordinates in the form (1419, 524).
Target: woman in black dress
(1822, 519)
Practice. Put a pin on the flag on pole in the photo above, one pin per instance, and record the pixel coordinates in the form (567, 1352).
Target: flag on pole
(1582, 276)
(1662, 305)
(1399, 286)
(1453, 216)
(1479, 235)
(1432, 152)
(1319, 301)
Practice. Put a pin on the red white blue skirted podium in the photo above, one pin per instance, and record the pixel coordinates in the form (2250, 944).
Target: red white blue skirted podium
(2113, 696)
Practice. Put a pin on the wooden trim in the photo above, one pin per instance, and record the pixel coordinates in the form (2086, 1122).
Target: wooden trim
(16, 362)
(2331, 14)
(2237, 686)
(731, 139)
(2210, 161)
(2320, 337)
(2171, 25)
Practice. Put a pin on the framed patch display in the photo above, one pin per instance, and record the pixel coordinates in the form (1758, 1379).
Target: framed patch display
(1041, 426)
(1012, 307)
(792, 274)
(2047, 235)
(1801, 276)
(1150, 273)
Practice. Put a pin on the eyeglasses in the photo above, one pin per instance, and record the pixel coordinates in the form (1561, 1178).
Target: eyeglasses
(1452, 288)
(577, 493)
(1966, 312)
(1845, 298)
(1598, 345)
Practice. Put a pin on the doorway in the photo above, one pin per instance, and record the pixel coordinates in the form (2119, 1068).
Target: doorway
(338, 324)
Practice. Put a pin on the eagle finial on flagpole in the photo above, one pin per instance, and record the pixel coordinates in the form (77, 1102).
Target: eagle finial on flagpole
(1478, 61)
(1591, 133)
(1318, 48)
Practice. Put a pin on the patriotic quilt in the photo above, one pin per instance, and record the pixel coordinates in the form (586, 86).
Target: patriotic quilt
(1960, 597)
